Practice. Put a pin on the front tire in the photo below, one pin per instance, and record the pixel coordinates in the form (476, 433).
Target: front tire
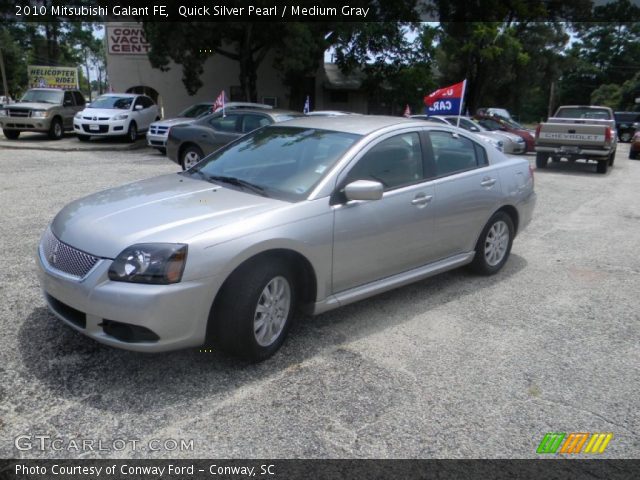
(612, 158)
(55, 130)
(132, 132)
(11, 134)
(252, 314)
(190, 156)
(541, 160)
(494, 245)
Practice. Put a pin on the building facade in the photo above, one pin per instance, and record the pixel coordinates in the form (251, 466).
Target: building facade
(129, 70)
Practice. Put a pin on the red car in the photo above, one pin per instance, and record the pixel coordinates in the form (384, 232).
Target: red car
(498, 123)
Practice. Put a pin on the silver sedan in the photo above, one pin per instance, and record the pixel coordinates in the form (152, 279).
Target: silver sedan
(313, 213)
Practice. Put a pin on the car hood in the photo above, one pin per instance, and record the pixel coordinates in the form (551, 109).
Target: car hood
(103, 112)
(174, 121)
(170, 208)
(33, 105)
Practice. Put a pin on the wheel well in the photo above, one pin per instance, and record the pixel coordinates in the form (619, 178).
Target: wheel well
(305, 275)
(184, 146)
(57, 117)
(513, 213)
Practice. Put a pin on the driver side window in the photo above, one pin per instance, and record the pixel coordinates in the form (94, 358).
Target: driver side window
(394, 162)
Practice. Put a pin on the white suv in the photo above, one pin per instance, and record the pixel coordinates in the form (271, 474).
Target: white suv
(116, 114)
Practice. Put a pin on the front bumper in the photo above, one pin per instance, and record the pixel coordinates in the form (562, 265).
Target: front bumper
(25, 124)
(176, 314)
(100, 128)
(156, 141)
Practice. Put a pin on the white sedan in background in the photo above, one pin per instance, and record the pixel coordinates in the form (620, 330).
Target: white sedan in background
(116, 114)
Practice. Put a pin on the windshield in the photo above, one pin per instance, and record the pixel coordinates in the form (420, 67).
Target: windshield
(579, 112)
(195, 111)
(284, 162)
(113, 102)
(43, 96)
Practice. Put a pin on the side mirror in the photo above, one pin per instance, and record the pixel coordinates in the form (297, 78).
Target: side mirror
(364, 190)
(138, 107)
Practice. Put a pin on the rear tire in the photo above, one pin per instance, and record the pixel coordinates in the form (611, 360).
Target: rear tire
(190, 156)
(56, 131)
(11, 134)
(602, 167)
(494, 245)
(612, 158)
(252, 313)
(541, 160)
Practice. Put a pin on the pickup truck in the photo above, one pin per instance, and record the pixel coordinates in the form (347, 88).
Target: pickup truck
(578, 132)
(46, 110)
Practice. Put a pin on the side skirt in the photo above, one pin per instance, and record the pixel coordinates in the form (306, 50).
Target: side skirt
(389, 283)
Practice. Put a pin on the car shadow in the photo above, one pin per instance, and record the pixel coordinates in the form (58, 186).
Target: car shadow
(78, 368)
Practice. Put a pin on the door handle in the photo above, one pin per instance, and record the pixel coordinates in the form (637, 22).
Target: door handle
(421, 200)
(488, 182)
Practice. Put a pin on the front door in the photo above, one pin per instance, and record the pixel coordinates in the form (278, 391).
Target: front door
(379, 238)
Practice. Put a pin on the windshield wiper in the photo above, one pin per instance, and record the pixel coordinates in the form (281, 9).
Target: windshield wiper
(238, 182)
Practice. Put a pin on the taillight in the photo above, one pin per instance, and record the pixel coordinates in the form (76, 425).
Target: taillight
(538, 130)
(607, 134)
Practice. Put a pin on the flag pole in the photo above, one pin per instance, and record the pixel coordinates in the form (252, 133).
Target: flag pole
(464, 88)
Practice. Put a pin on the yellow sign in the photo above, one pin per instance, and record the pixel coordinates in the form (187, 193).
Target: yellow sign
(52, 77)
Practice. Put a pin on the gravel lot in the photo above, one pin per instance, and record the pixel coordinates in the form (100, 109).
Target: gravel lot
(454, 366)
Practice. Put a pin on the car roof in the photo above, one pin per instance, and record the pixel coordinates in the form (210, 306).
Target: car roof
(358, 124)
(131, 95)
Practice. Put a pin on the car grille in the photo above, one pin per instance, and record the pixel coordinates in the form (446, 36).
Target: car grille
(158, 130)
(96, 118)
(63, 257)
(101, 129)
(13, 112)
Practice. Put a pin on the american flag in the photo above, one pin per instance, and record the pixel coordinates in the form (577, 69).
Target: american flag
(219, 103)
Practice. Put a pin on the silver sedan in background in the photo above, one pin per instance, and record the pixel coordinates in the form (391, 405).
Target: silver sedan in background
(313, 213)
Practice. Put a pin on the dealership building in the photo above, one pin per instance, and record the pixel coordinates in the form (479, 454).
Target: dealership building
(129, 70)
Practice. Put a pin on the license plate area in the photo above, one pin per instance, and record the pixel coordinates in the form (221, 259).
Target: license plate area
(94, 128)
(569, 149)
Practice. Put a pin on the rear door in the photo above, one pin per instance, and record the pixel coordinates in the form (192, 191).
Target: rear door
(219, 131)
(68, 110)
(467, 191)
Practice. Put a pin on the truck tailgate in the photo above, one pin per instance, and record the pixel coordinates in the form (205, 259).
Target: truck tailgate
(583, 134)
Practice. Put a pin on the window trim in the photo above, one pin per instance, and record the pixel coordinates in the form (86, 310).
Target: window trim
(337, 196)
(476, 146)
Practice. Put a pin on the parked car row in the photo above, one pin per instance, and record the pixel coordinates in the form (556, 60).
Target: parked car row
(55, 111)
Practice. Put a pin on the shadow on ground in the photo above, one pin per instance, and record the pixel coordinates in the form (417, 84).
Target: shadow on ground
(76, 367)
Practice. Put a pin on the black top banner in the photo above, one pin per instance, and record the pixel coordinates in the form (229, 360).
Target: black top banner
(321, 10)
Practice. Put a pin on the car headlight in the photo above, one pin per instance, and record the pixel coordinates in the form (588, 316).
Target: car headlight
(39, 113)
(78, 115)
(4, 113)
(120, 116)
(157, 263)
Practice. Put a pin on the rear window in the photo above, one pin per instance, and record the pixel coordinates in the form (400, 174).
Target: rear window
(582, 112)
